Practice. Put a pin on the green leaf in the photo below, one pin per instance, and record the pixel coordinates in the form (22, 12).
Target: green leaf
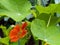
(59, 19)
(9, 29)
(49, 34)
(52, 8)
(36, 28)
(4, 40)
(14, 43)
(45, 17)
(57, 8)
(4, 30)
(17, 9)
(54, 20)
(23, 41)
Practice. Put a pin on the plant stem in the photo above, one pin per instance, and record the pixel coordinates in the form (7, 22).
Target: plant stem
(42, 42)
(36, 42)
(49, 21)
(18, 42)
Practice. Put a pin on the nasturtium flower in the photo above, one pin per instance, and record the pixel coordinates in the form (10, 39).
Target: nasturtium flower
(18, 32)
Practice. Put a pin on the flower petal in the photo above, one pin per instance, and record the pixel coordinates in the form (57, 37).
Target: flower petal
(24, 32)
(13, 32)
(17, 27)
(14, 39)
(18, 32)
(24, 25)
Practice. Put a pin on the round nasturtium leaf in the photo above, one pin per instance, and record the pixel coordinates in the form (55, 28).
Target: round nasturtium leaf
(49, 34)
(16, 9)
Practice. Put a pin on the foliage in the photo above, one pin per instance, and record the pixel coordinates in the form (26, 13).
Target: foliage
(49, 34)
(52, 8)
(45, 25)
(16, 9)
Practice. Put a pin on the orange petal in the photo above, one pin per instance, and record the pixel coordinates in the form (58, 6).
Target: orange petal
(17, 27)
(13, 32)
(14, 39)
(24, 32)
(24, 25)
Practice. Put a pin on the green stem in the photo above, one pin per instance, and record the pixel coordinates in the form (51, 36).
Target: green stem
(36, 42)
(49, 21)
(42, 42)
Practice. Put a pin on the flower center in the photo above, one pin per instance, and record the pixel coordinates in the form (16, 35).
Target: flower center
(19, 32)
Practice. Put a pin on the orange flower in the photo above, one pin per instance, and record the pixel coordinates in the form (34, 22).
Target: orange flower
(18, 32)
